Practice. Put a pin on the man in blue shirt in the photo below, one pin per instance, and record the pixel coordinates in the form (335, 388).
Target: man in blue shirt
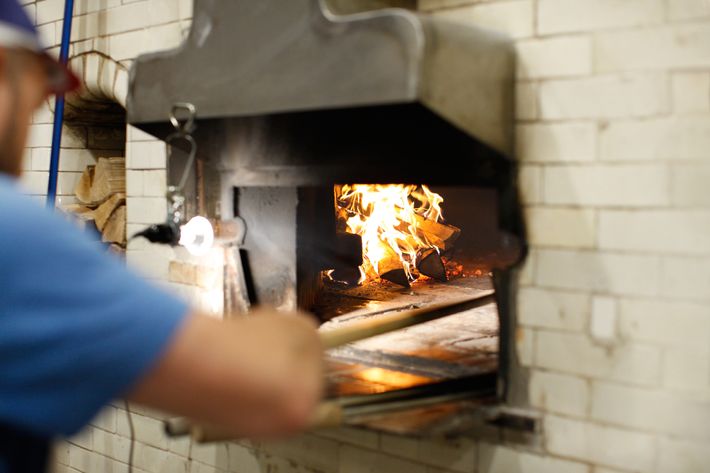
(77, 329)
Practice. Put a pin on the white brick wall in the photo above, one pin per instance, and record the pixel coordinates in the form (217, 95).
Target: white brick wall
(613, 136)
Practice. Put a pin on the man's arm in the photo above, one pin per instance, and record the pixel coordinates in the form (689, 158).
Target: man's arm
(258, 376)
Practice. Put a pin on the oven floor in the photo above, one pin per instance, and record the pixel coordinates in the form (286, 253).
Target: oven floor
(456, 346)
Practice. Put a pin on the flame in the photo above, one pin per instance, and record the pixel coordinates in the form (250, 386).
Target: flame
(387, 218)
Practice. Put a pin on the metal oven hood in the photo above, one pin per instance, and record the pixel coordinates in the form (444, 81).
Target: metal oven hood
(245, 59)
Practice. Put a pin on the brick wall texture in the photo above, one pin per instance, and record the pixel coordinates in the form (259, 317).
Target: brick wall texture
(613, 139)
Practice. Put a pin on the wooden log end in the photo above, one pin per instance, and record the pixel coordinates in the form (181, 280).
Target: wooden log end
(397, 276)
(429, 263)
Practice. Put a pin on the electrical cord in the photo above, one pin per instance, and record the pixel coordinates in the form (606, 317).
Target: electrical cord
(132, 431)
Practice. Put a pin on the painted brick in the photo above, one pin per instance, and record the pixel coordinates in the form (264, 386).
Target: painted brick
(556, 142)
(41, 158)
(689, 185)
(88, 6)
(134, 183)
(687, 369)
(526, 273)
(561, 227)
(243, 459)
(603, 320)
(559, 393)
(457, 455)
(636, 185)
(211, 454)
(147, 210)
(622, 274)
(76, 160)
(686, 278)
(145, 155)
(356, 460)
(605, 96)
(558, 310)
(650, 410)
(525, 345)
(136, 134)
(427, 5)
(148, 430)
(154, 183)
(185, 8)
(39, 135)
(688, 9)
(576, 354)
(106, 419)
(353, 436)
(86, 461)
(150, 263)
(43, 114)
(314, 452)
(561, 16)
(34, 183)
(654, 48)
(597, 444)
(679, 324)
(111, 445)
(153, 459)
(678, 456)
(497, 459)
(554, 57)
(49, 11)
(130, 17)
(66, 183)
(48, 34)
(530, 183)
(681, 138)
(514, 17)
(667, 231)
(130, 45)
(691, 91)
(526, 101)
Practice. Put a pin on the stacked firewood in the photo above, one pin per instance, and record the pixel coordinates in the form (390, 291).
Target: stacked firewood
(101, 196)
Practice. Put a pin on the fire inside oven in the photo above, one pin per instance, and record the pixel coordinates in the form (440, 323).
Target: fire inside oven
(367, 251)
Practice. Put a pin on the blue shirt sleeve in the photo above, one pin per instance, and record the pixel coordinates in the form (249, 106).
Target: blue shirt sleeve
(77, 329)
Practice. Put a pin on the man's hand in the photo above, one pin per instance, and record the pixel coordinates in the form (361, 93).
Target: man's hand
(257, 376)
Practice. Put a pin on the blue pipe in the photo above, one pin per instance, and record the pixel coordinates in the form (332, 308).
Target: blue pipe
(59, 108)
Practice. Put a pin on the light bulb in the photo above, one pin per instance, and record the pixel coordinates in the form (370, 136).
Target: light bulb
(197, 236)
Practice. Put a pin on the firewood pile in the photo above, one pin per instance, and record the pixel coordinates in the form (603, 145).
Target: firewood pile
(101, 196)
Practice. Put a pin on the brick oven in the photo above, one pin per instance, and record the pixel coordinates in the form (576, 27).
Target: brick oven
(609, 348)
(316, 129)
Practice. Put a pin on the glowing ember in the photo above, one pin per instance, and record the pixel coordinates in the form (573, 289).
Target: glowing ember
(391, 220)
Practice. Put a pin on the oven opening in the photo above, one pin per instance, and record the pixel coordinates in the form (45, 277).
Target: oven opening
(373, 250)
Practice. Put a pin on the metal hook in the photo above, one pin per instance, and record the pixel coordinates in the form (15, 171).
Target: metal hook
(188, 125)
(183, 131)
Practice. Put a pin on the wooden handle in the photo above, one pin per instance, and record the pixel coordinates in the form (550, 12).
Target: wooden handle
(379, 325)
(330, 413)
(327, 414)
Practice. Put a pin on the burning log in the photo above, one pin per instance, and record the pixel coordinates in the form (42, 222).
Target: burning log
(391, 268)
(429, 263)
(441, 235)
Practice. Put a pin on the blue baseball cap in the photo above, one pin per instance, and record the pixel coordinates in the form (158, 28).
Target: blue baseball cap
(18, 32)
